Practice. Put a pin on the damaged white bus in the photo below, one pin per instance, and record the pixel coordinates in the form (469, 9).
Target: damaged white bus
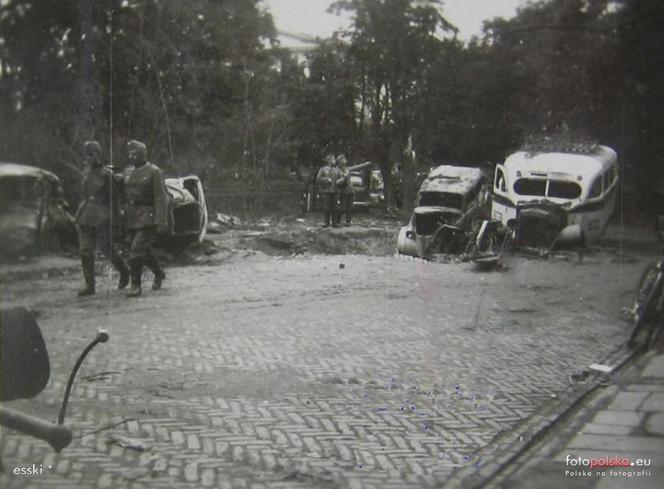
(561, 196)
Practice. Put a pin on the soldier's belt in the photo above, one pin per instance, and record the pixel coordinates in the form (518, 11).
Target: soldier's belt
(94, 200)
(140, 202)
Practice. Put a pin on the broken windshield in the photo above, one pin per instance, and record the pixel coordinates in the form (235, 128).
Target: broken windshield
(441, 199)
(561, 189)
(530, 186)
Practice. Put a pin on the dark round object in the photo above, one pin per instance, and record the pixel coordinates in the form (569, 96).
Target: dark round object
(24, 364)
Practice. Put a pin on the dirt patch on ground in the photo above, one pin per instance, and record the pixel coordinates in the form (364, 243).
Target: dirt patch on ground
(368, 235)
(372, 235)
(340, 241)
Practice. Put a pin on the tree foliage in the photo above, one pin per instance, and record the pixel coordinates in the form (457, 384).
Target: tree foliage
(206, 86)
(176, 76)
(392, 45)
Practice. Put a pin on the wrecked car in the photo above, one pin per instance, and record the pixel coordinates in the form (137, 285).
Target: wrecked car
(376, 187)
(187, 208)
(373, 188)
(34, 216)
(33, 212)
(450, 203)
(360, 183)
(565, 196)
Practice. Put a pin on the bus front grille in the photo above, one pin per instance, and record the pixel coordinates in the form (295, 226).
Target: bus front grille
(537, 227)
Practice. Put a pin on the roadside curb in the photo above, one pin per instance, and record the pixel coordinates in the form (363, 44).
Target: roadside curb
(511, 446)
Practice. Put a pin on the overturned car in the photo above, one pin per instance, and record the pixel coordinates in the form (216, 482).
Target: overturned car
(33, 212)
(450, 203)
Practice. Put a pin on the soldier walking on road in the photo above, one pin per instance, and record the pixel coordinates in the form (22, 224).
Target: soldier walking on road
(121, 177)
(326, 179)
(96, 218)
(146, 214)
(344, 189)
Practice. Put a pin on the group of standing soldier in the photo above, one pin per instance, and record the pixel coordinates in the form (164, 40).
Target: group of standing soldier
(333, 181)
(130, 206)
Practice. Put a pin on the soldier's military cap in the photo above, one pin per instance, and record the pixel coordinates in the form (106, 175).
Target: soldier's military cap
(138, 146)
(329, 159)
(91, 148)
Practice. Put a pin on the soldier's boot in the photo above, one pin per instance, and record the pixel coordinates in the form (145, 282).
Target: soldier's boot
(327, 220)
(88, 265)
(136, 267)
(348, 219)
(123, 269)
(159, 274)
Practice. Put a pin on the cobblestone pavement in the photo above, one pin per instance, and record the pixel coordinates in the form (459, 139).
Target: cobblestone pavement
(621, 430)
(315, 371)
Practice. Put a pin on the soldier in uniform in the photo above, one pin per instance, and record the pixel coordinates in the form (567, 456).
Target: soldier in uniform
(326, 179)
(96, 218)
(146, 213)
(121, 176)
(344, 189)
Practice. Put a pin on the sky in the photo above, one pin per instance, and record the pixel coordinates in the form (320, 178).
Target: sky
(310, 16)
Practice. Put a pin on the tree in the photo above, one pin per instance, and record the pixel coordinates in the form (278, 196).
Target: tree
(637, 116)
(327, 108)
(593, 67)
(391, 44)
(40, 74)
(157, 70)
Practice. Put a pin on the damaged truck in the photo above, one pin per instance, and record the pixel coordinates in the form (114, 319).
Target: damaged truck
(564, 196)
(451, 204)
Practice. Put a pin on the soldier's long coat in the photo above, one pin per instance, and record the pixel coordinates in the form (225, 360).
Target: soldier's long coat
(146, 198)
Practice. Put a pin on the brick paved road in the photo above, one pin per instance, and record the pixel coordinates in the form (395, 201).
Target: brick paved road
(293, 372)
